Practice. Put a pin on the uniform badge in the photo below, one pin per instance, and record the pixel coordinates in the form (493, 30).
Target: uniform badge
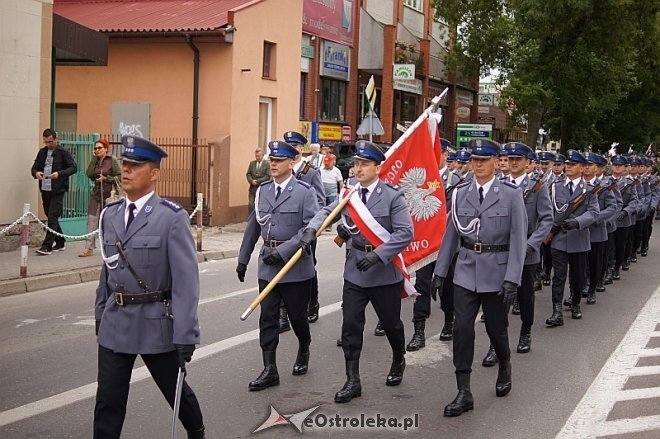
(290, 188)
(148, 209)
(378, 190)
(496, 189)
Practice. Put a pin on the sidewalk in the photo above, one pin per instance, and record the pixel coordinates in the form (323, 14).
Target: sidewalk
(66, 268)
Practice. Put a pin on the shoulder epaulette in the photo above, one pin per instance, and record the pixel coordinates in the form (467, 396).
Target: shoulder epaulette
(265, 182)
(464, 184)
(171, 204)
(114, 202)
(393, 186)
(304, 183)
(508, 183)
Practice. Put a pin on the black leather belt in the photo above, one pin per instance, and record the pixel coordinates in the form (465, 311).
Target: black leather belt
(122, 298)
(479, 247)
(368, 248)
(272, 243)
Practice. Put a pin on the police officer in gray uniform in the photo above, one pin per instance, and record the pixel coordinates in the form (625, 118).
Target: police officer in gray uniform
(149, 281)
(283, 207)
(489, 223)
(628, 211)
(369, 274)
(610, 254)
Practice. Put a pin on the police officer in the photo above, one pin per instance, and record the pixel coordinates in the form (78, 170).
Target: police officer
(489, 223)
(654, 197)
(369, 273)
(451, 161)
(463, 158)
(546, 159)
(611, 224)
(283, 207)
(624, 222)
(149, 281)
(503, 165)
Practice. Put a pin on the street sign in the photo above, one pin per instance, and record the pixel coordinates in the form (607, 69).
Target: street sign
(370, 91)
(468, 131)
(366, 124)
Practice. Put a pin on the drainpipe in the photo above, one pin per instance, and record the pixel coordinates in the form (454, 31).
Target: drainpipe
(189, 41)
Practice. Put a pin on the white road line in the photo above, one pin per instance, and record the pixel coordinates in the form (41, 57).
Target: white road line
(655, 352)
(139, 374)
(588, 418)
(228, 296)
(629, 395)
(645, 370)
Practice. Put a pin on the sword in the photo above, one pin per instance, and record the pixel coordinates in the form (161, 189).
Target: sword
(177, 398)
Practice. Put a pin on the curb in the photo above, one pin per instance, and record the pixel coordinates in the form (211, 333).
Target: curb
(12, 287)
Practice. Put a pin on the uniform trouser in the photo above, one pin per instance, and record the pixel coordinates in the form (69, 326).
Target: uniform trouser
(596, 258)
(295, 296)
(611, 250)
(53, 205)
(526, 295)
(630, 250)
(386, 300)
(466, 307)
(573, 264)
(648, 229)
(114, 376)
(546, 255)
(637, 237)
(621, 245)
(422, 305)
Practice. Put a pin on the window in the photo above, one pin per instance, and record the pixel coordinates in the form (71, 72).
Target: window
(303, 86)
(66, 117)
(265, 121)
(333, 100)
(268, 70)
(418, 5)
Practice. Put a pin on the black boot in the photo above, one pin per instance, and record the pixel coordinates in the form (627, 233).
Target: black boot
(490, 359)
(600, 286)
(537, 284)
(625, 266)
(418, 340)
(633, 259)
(645, 252)
(591, 297)
(339, 341)
(568, 302)
(379, 331)
(609, 276)
(503, 383)
(576, 312)
(515, 309)
(396, 369)
(586, 288)
(302, 360)
(196, 434)
(448, 329)
(313, 312)
(352, 387)
(525, 341)
(284, 320)
(269, 376)
(557, 318)
(546, 279)
(616, 275)
(463, 401)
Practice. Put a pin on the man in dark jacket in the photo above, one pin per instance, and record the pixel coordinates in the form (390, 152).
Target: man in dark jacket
(52, 167)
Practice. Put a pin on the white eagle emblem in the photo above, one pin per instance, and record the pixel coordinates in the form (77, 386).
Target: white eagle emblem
(421, 203)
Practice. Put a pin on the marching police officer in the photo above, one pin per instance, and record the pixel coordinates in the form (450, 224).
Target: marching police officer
(283, 207)
(149, 281)
(624, 221)
(609, 259)
(654, 197)
(546, 159)
(489, 223)
(369, 272)
(463, 157)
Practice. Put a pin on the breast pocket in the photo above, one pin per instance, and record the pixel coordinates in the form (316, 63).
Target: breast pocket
(289, 215)
(145, 251)
(499, 217)
(465, 215)
(382, 216)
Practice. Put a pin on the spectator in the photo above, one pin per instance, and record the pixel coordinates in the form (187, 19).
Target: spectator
(52, 167)
(258, 172)
(316, 159)
(331, 178)
(103, 170)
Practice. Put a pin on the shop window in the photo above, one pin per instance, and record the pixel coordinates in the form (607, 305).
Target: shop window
(333, 100)
(66, 117)
(418, 5)
(268, 70)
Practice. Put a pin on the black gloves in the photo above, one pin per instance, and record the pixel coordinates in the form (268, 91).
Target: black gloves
(571, 224)
(97, 325)
(529, 252)
(271, 256)
(622, 215)
(240, 270)
(369, 260)
(307, 239)
(508, 293)
(436, 286)
(343, 232)
(185, 353)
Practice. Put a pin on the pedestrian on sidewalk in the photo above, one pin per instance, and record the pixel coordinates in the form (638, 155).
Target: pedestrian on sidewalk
(258, 172)
(104, 171)
(52, 168)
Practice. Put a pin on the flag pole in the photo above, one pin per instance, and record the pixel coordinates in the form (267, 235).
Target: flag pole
(435, 102)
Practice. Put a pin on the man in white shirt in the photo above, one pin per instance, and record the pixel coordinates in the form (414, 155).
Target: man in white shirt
(331, 178)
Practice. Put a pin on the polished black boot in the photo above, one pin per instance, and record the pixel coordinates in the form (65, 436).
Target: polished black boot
(302, 360)
(196, 434)
(525, 341)
(515, 309)
(568, 302)
(600, 286)
(545, 277)
(269, 376)
(633, 259)
(284, 320)
(557, 318)
(625, 266)
(644, 252)
(576, 312)
(447, 332)
(537, 284)
(463, 401)
(418, 340)
(586, 288)
(490, 359)
(339, 343)
(396, 369)
(379, 331)
(352, 387)
(591, 297)
(616, 275)
(503, 383)
(609, 276)
(313, 312)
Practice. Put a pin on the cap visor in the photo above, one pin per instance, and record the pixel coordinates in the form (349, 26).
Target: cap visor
(134, 160)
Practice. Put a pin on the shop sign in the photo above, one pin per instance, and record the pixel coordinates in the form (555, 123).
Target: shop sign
(408, 85)
(335, 60)
(403, 71)
(307, 51)
(463, 112)
(346, 133)
(468, 131)
(486, 119)
(329, 19)
(330, 132)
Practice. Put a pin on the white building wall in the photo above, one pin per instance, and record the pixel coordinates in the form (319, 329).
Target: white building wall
(381, 10)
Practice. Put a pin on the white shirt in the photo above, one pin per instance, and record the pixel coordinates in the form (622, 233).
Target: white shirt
(371, 187)
(593, 181)
(443, 170)
(284, 184)
(575, 183)
(330, 176)
(518, 180)
(486, 186)
(139, 204)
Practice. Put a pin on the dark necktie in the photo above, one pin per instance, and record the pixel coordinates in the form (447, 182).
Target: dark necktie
(131, 216)
(570, 188)
(481, 195)
(278, 193)
(363, 194)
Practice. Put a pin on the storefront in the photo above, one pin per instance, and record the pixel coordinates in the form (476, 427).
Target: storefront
(407, 103)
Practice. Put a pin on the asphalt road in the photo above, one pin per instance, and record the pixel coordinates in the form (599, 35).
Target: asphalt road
(49, 365)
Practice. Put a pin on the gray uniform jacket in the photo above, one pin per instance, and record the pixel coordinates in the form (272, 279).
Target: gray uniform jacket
(630, 201)
(388, 207)
(655, 191)
(574, 241)
(449, 181)
(283, 220)
(618, 200)
(503, 221)
(644, 192)
(160, 247)
(608, 207)
(313, 178)
(539, 216)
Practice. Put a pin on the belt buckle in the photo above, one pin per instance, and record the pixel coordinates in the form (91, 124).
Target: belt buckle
(368, 248)
(477, 247)
(272, 243)
(119, 299)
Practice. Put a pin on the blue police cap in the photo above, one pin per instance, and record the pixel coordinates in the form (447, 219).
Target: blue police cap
(280, 150)
(533, 157)
(484, 148)
(574, 156)
(463, 155)
(560, 158)
(547, 156)
(517, 149)
(366, 150)
(139, 150)
(446, 144)
(619, 160)
(591, 157)
(451, 157)
(602, 161)
(294, 137)
(635, 160)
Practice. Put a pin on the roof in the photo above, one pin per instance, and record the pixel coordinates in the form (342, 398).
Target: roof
(149, 15)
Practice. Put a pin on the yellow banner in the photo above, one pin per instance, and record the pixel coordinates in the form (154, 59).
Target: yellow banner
(329, 132)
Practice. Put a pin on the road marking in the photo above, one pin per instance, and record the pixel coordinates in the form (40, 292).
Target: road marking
(228, 296)
(589, 419)
(139, 374)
